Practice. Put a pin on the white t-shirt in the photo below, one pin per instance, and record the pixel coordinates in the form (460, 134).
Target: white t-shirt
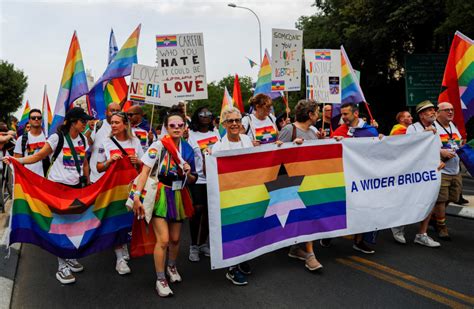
(34, 145)
(142, 136)
(200, 142)
(225, 144)
(450, 139)
(64, 168)
(98, 137)
(108, 148)
(264, 131)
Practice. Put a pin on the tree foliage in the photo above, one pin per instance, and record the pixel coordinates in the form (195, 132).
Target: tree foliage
(13, 84)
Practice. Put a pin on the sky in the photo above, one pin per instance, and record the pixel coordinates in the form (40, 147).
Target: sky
(35, 35)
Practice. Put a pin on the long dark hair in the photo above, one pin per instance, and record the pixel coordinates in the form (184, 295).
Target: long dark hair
(195, 120)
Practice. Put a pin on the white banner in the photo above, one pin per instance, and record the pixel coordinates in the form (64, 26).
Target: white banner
(286, 59)
(144, 85)
(323, 75)
(181, 63)
(268, 197)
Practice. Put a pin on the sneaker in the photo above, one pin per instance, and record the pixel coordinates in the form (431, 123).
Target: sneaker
(297, 253)
(325, 243)
(462, 201)
(425, 240)
(126, 254)
(74, 265)
(399, 237)
(64, 275)
(194, 253)
(122, 267)
(204, 249)
(362, 247)
(163, 288)
(244, 268)
(173, 274)
(236, 277)
(443, 232)
(312, 263)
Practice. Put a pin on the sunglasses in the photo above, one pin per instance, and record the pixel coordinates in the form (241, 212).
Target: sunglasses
(176, 125)
(36, 117)
(205, 114)
(235, 120)
(121, 115)
(130, 115)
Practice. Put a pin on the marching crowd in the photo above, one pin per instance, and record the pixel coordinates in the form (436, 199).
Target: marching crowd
(76, 156)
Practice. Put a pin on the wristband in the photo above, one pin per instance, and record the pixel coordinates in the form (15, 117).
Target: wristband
(137, 193)
(105, 164)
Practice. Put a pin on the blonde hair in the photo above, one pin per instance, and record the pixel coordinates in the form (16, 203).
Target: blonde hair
(126, 122)
(228, 111)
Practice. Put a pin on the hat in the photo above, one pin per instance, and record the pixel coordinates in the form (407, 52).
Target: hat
(424, 105)
(77, 113)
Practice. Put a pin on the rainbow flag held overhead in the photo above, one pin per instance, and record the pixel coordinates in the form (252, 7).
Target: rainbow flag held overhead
(227, 102)
(351, 91)
(458, 80)
(46, 112)
(24, 119)
(73, 84)
(264, 81)
(120, 66)
(166, 41)
(283, 194)
(69, 222)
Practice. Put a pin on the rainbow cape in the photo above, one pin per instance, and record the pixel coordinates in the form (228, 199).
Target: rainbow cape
(68, 222)
(286, 193)
(458, 80)
(120, 66)
(73, 83)
(24, 119)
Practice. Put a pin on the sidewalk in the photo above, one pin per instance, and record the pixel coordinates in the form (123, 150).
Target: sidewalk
(465, 211)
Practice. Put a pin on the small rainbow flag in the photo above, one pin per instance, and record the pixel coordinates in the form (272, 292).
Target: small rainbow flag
(25, 116)
(322, 55)
(278, 85)
(283, 194)
(264, 81)
(69, 222)
(137, 99)
(227, 102)
(46, 112)
(351, 91)
(166, 41)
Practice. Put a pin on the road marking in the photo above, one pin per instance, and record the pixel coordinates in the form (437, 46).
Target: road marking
(424, 283)
(403, 284)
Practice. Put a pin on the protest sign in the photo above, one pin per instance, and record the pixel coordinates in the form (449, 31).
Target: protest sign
(181, 65)
(286, 59)
(323, 75)
(268, 197)
(144, 85)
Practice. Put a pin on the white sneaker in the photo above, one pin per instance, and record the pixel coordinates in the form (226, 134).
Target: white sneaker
(399, 237)
(204, 249)
(194, 253)
(173, 274)
(65, 276)
(425, 240)
(163, 288)
(126, 254)
(122, 267)
(74, 265)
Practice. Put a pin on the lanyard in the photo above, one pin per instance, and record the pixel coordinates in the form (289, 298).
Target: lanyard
(450, 134)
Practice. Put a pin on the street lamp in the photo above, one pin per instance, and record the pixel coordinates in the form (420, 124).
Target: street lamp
(232, 5)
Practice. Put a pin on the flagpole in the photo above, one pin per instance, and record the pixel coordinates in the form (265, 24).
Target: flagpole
(287, 105)
(152, 114)
(322, 127)
(368, 110)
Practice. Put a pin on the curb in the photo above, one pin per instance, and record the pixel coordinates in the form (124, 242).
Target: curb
(8, 267)
(460, 211)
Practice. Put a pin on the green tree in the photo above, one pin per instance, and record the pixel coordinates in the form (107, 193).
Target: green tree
(13, 84)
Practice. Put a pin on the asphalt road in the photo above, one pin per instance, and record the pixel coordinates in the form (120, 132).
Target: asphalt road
(396, 276)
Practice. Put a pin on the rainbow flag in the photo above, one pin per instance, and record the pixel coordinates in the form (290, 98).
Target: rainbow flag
(264, 81)
(226, 103)
(237, 95)
(68, 222)
(351, 91)
(458, 81)
(120, 66)
(46, 112)
(166, 41)
(398, 129)
(25, 116)
(322, 55)
(116, 90)
(73, 84)
(279, 196)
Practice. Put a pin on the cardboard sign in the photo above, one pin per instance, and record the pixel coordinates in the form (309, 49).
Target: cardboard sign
(144, 85)
(286, 59)
(182, 67)
(323, 75)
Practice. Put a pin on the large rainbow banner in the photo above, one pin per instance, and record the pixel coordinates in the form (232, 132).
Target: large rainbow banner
(69, 222)
(268, 197)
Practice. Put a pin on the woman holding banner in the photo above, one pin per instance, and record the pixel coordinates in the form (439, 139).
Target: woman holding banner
(174, 158)
(68, 167)
(121, 143)
(260, 125)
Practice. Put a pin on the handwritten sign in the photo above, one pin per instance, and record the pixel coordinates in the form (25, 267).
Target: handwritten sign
(286, 59)
(182, 67)
(323, 75)
(144, 85)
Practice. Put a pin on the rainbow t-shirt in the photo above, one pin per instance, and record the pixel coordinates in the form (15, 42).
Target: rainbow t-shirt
(207, 142)
(266, 134)
(68, 159)
(32, 148)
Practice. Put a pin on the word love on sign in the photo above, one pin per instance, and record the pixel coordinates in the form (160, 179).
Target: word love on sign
(145, 85)
(182, 67)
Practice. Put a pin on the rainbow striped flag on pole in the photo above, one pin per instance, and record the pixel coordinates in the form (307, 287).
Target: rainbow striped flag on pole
(351, 91)
(46, 112)
(73, 84)
(227, 102)
(24, 119)
(69, 222)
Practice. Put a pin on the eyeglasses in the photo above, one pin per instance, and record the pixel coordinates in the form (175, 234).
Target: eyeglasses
(448, 110)
(36, 117)
(235, 120)
(176, 125)
(205, 114)
(115, 110)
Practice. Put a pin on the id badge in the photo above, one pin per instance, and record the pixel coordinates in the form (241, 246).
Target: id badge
(177, 185)
(453, 144)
